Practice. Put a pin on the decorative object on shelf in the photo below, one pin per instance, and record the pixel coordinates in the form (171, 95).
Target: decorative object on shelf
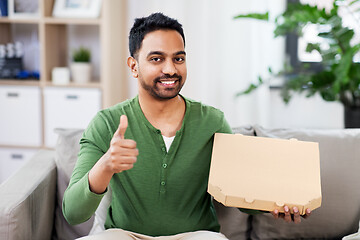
(77, 8)
(60, 75)
(11, 60)
(80, 66)
(23, 8)
(28, 75)
(339, 76)
(3, 8)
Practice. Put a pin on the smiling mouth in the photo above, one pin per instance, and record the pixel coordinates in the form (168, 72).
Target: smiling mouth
(168, 82)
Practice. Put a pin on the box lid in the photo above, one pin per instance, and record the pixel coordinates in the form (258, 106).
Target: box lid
(265, 173)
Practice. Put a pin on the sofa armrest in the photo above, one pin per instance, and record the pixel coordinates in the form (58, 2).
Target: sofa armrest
(28, 199)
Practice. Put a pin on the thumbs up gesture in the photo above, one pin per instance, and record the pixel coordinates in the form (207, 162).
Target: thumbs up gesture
(122, 152)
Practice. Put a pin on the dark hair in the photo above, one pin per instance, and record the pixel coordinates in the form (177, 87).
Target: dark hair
(155, 21)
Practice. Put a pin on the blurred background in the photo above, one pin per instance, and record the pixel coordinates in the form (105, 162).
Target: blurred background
(61, 61)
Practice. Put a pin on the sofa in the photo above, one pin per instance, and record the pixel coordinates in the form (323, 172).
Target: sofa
(30, 200)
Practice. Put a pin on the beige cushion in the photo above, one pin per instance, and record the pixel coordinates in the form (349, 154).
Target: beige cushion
(247, 130)
(234, 224)
(27, 200)
(340, 177)
(67, 149)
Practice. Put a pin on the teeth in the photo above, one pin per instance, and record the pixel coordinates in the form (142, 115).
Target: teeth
(168, 82)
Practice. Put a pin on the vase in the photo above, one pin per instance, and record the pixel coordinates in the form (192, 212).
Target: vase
(352, 117)
(80, 72)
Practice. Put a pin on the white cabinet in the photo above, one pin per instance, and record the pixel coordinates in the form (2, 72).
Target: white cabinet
(68, 108)
(23, 115)
(11, 160)
(20, 116)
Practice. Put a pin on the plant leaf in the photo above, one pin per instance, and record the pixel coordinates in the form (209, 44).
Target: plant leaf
(341, 71)
(313, 46)
(259, 16)
(251, 87)
(352, 2)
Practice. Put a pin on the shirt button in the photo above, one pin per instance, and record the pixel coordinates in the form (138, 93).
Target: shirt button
(164, 165)
(163, 149)
(163, 183)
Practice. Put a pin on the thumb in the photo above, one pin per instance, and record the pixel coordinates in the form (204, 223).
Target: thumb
(123, 124)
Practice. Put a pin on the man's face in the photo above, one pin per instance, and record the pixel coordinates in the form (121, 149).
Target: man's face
(161, 65)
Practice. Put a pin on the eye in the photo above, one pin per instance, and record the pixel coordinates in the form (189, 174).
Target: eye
(180, 59)
(155, 59)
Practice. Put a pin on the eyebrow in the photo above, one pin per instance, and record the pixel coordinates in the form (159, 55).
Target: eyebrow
(162, 53)
(180, 53)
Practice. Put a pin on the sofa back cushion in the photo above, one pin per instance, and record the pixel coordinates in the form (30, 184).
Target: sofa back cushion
(67, 149)
(340, 177)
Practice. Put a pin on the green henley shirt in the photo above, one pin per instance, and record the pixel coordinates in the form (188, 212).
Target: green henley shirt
(165, 193)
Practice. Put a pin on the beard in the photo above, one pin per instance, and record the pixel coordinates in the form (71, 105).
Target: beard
(165, 93)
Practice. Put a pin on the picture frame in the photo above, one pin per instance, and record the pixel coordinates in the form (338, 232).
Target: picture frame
(77, 8)
(3, 8)
(23, 8)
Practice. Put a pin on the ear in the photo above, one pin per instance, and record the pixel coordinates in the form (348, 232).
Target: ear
(132, 63)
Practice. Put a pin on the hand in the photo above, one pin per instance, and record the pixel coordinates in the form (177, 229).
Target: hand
(122, 153)
(288, 217)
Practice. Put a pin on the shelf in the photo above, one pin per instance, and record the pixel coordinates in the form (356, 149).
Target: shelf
(75, 21)
(20, 146)
(79, 85)
(17, 82)
(20, 20)
(106, 36)
(51, 20)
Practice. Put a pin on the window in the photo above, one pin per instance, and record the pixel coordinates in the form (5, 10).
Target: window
(295, 46)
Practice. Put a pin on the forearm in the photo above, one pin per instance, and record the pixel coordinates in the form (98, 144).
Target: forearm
(79, 203)
(100, 176)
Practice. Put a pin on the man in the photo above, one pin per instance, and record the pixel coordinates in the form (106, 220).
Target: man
(154, 150)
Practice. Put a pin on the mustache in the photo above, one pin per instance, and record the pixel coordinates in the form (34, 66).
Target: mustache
(168, 76)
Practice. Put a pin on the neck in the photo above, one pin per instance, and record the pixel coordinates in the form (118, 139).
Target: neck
(161, 108)
(166, 115)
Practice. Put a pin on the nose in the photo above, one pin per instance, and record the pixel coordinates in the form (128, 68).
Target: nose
(169, 68)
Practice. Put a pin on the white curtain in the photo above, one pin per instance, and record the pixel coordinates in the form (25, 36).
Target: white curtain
(223, 55)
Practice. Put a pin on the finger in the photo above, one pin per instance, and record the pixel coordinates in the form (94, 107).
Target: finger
(127, 143)
(307, 213)
(275, 213)
(287, 216)
(123, 124)
(297, 218)
(118, 152)
(127, 160)
(124, 167)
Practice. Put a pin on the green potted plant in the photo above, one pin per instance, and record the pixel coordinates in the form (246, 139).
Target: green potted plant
(80, 66)
(339, 76)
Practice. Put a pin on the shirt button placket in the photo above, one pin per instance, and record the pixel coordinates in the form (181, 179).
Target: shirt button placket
(163, 179)
(164, 165)
(162, 187)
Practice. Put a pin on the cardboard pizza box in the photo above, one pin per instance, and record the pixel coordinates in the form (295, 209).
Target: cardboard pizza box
(265, 173)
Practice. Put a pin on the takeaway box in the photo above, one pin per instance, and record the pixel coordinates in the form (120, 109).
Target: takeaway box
(265, 173)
